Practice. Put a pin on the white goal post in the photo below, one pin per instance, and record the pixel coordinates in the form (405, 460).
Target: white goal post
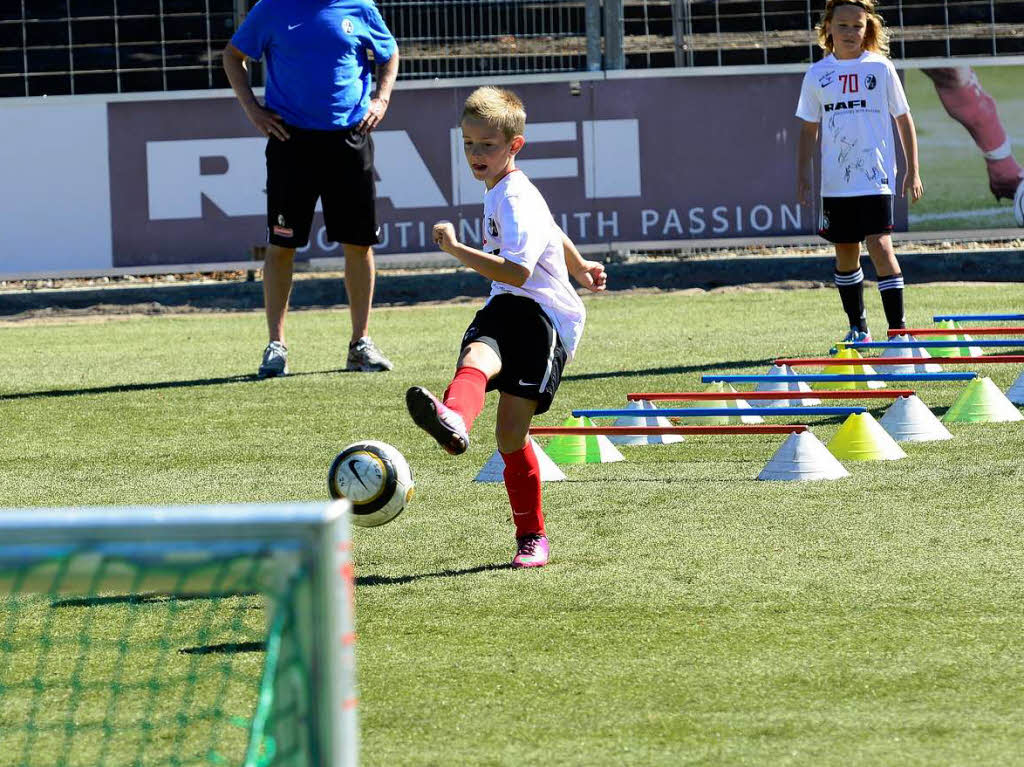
(297, 554)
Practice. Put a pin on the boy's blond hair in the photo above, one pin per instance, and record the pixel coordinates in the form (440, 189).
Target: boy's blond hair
(499, 108)
(876, 37)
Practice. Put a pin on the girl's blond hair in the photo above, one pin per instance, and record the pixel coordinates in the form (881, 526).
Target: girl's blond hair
(876, 38)
(498, 108)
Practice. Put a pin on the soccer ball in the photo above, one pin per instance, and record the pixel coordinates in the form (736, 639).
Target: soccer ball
(375, 478)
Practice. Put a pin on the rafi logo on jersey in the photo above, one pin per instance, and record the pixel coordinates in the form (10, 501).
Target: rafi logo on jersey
(870, 82)
(852, 104)
(347, 26)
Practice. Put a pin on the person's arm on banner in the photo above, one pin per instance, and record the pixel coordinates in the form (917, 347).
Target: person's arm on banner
(806, 145)
(912, 186)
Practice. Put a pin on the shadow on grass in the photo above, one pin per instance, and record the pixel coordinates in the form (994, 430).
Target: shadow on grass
(157, 385)
(228, 648)
(143, 599)
(385, 580)
(710, 367)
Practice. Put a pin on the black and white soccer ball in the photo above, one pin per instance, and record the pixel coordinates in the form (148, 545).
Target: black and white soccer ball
(375, 478)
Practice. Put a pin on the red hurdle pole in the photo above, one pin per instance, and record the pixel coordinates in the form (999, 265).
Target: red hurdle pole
(756, 428)
(1005, 331)
(681, 396)
(1011, 359)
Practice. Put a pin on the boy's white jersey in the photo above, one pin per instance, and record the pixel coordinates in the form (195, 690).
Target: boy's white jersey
(853, 100)
(518, 226)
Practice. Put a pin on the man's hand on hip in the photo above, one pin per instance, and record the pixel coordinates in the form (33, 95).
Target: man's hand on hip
(270, 124)
(374, 114)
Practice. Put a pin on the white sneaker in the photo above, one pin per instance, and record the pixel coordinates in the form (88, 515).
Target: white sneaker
(275, 361)
(364, 355)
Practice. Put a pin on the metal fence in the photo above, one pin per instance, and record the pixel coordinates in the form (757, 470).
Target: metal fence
(110, 46)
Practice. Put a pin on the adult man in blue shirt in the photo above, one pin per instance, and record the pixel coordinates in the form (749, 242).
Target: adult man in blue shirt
(318, 117)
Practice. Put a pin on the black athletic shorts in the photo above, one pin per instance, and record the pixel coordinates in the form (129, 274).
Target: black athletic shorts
(852, 219)
(333, 166)
(521, 334)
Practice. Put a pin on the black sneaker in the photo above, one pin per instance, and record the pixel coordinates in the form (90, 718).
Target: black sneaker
(440, 422)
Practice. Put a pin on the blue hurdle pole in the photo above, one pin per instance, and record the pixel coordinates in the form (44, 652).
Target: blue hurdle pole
(926, 344)
(676, 412)
(823, 377)
(976, 317)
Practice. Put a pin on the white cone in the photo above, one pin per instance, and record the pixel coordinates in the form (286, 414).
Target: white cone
(638, 420)
(803, 457)
(609, 453)
(969, 351)
(1016, 392)
(908, 419)
(918, 353)
(785, 370)
(494, 469)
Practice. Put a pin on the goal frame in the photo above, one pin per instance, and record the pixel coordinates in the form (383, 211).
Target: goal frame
(285, 536)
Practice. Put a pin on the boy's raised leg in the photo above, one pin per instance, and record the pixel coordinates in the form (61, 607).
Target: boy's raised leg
(440, 422)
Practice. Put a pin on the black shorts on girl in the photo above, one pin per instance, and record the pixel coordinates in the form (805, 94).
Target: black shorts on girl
(521, 334)
(852, 219)
(335, 167)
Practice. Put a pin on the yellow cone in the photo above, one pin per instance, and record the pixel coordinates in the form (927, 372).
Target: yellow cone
(582, 448)
(848, 354)
(982, 401)
(862, 438)
(944, 351)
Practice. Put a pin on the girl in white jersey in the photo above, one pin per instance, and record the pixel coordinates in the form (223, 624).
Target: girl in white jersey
(848, 98)
(531, 324)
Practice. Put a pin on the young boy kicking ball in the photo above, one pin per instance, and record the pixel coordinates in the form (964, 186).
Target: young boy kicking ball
(529, 328)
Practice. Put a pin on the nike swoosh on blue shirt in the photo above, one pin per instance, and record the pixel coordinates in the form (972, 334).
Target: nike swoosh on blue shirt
(293, 26)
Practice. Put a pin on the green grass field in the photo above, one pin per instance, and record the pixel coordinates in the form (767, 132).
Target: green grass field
(952, 167)
(691, 615)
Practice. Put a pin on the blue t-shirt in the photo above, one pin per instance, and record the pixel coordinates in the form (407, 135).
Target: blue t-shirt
(318, 72)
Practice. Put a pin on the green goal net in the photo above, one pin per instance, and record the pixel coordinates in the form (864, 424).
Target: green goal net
(185, 636)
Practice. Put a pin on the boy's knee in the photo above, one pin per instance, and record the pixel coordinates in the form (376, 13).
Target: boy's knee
(509, 440)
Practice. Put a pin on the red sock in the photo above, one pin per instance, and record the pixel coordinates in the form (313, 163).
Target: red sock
(522, 481)
(465, 394)
(973, 108)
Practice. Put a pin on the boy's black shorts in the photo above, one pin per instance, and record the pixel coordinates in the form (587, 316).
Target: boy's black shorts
(852, 219)
(334, 166)
(521, 334)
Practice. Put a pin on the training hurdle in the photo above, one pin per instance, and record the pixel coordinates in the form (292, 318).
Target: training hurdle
(1010, 359)
(830, 378)
(683, 396)
(630, 431)
(994, 331)
(927, 344)
(976, 317)
(679, 412)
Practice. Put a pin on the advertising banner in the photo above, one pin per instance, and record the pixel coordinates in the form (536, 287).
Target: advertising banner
(658, 158)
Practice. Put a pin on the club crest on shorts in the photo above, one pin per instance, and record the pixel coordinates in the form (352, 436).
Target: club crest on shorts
(347, 26)
(281, 229)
